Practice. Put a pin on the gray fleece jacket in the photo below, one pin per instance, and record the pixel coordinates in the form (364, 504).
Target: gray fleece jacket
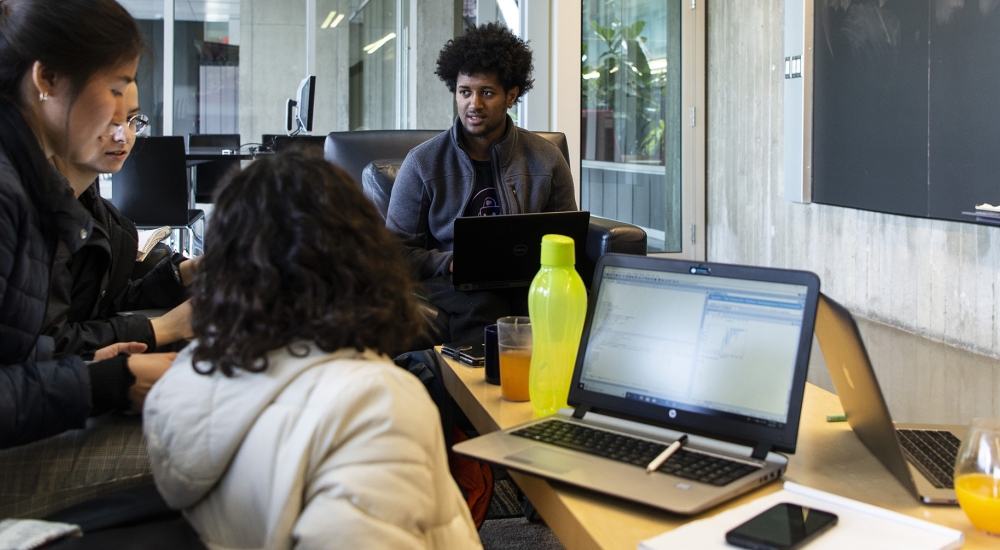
(436, 181)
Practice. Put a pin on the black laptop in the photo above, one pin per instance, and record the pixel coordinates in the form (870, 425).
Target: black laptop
(494, 252)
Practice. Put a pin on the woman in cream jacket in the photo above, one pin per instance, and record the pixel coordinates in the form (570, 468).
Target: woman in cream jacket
(285, 425)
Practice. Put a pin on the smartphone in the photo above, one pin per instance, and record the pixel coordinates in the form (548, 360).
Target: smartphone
(783, 527)
(469, 353)
(475, 355)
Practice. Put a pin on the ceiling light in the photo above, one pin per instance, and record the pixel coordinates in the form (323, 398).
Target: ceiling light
(337, 21)
(326, 22)
(371, 48)
(591, 75)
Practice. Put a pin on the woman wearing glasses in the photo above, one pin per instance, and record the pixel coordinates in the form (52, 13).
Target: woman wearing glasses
(65, 66)
(95, 283)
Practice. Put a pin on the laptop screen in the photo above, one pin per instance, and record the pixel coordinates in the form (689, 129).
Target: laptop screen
(718, 346)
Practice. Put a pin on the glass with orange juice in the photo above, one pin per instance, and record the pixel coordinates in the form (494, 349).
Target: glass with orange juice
(977, 475)
(514, 343)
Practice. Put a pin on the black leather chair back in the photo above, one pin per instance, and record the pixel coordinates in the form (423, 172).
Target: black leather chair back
(151, 189)
(352, 151)
(559, 140)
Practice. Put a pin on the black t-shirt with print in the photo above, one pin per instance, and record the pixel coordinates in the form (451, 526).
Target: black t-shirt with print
(484, 195)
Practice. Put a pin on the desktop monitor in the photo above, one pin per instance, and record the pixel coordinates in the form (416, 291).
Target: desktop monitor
(299, 111)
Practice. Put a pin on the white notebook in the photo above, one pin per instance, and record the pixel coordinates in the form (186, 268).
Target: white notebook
(860, 526)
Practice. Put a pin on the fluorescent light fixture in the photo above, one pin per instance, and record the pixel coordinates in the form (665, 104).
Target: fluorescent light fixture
(374, 46)
(326, 22)
(591, 75)
(614, 70)
(658, 65)
(336, 21)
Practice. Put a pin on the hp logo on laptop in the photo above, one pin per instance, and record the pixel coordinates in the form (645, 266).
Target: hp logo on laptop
(520, 250)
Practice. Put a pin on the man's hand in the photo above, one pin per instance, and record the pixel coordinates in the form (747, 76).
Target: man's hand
(174, 325)
(114, 350)
(451, 266)
(147, 369)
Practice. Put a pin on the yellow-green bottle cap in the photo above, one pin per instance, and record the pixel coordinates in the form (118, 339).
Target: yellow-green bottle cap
(558, 250)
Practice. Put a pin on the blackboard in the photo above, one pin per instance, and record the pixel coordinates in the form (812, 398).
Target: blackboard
(906, 105)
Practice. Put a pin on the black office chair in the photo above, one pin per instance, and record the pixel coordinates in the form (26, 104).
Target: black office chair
(352, 151)
(208, 174)
(152, 190)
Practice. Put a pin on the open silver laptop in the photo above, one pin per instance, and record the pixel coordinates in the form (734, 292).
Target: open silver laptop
(717, 352)
(920, 456)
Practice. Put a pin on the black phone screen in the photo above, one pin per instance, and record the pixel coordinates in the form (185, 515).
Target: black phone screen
(782, 527)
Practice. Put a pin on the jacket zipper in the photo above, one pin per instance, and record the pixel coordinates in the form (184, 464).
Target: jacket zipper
(517, 202)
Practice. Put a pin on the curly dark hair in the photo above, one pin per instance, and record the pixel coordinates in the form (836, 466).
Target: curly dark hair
(295, 251)
(488, 48)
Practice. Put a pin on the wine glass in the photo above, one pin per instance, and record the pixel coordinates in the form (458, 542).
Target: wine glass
(977, 474)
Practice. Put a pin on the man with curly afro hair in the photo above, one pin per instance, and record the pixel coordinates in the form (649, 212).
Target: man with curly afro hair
(483, 166)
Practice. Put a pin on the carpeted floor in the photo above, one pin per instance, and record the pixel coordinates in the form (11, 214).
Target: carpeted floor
(506, 528)
(517, 534)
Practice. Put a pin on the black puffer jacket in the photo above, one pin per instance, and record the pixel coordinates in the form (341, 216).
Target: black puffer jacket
(40, 396)
(90, 287)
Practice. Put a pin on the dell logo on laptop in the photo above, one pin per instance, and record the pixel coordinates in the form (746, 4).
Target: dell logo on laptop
(672, 413)
(520, 250)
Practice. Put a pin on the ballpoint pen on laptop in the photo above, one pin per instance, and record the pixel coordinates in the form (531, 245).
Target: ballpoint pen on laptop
(667, 453)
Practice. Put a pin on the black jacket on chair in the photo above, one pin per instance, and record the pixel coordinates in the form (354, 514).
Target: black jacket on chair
(90, 287)
(39, 395)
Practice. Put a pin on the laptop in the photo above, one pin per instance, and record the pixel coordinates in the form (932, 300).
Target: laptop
(713, 351)
(492, 252)
(920, 456)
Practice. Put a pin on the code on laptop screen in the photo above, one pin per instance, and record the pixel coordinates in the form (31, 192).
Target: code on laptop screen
(695, 342)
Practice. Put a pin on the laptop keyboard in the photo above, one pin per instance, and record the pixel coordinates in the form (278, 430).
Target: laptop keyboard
(640, 452)
(933, 452)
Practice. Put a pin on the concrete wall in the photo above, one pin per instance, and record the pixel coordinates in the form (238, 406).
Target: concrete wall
(937, 279)
(433, 106)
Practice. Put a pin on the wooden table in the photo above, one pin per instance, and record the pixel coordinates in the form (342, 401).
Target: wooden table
(829, 457)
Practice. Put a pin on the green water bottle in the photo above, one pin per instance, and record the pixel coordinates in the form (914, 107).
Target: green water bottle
(557, 305)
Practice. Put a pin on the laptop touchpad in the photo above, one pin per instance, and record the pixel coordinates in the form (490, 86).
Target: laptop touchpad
(546, 459)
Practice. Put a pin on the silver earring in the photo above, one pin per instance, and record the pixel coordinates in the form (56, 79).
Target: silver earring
(43, 96)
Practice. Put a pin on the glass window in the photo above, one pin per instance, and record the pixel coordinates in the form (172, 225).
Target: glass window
(630, 120)
(373, 69)
(204, 97)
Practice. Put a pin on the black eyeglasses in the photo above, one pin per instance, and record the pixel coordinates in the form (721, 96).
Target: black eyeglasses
(138, 123)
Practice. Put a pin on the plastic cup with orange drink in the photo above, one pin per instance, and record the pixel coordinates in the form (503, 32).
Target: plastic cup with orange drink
(514, 343)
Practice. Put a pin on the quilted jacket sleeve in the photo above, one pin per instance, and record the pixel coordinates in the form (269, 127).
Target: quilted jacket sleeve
(42, 399)
(384, 482)
(37, 398)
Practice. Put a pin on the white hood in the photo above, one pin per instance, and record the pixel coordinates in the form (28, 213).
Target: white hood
(210, 441)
